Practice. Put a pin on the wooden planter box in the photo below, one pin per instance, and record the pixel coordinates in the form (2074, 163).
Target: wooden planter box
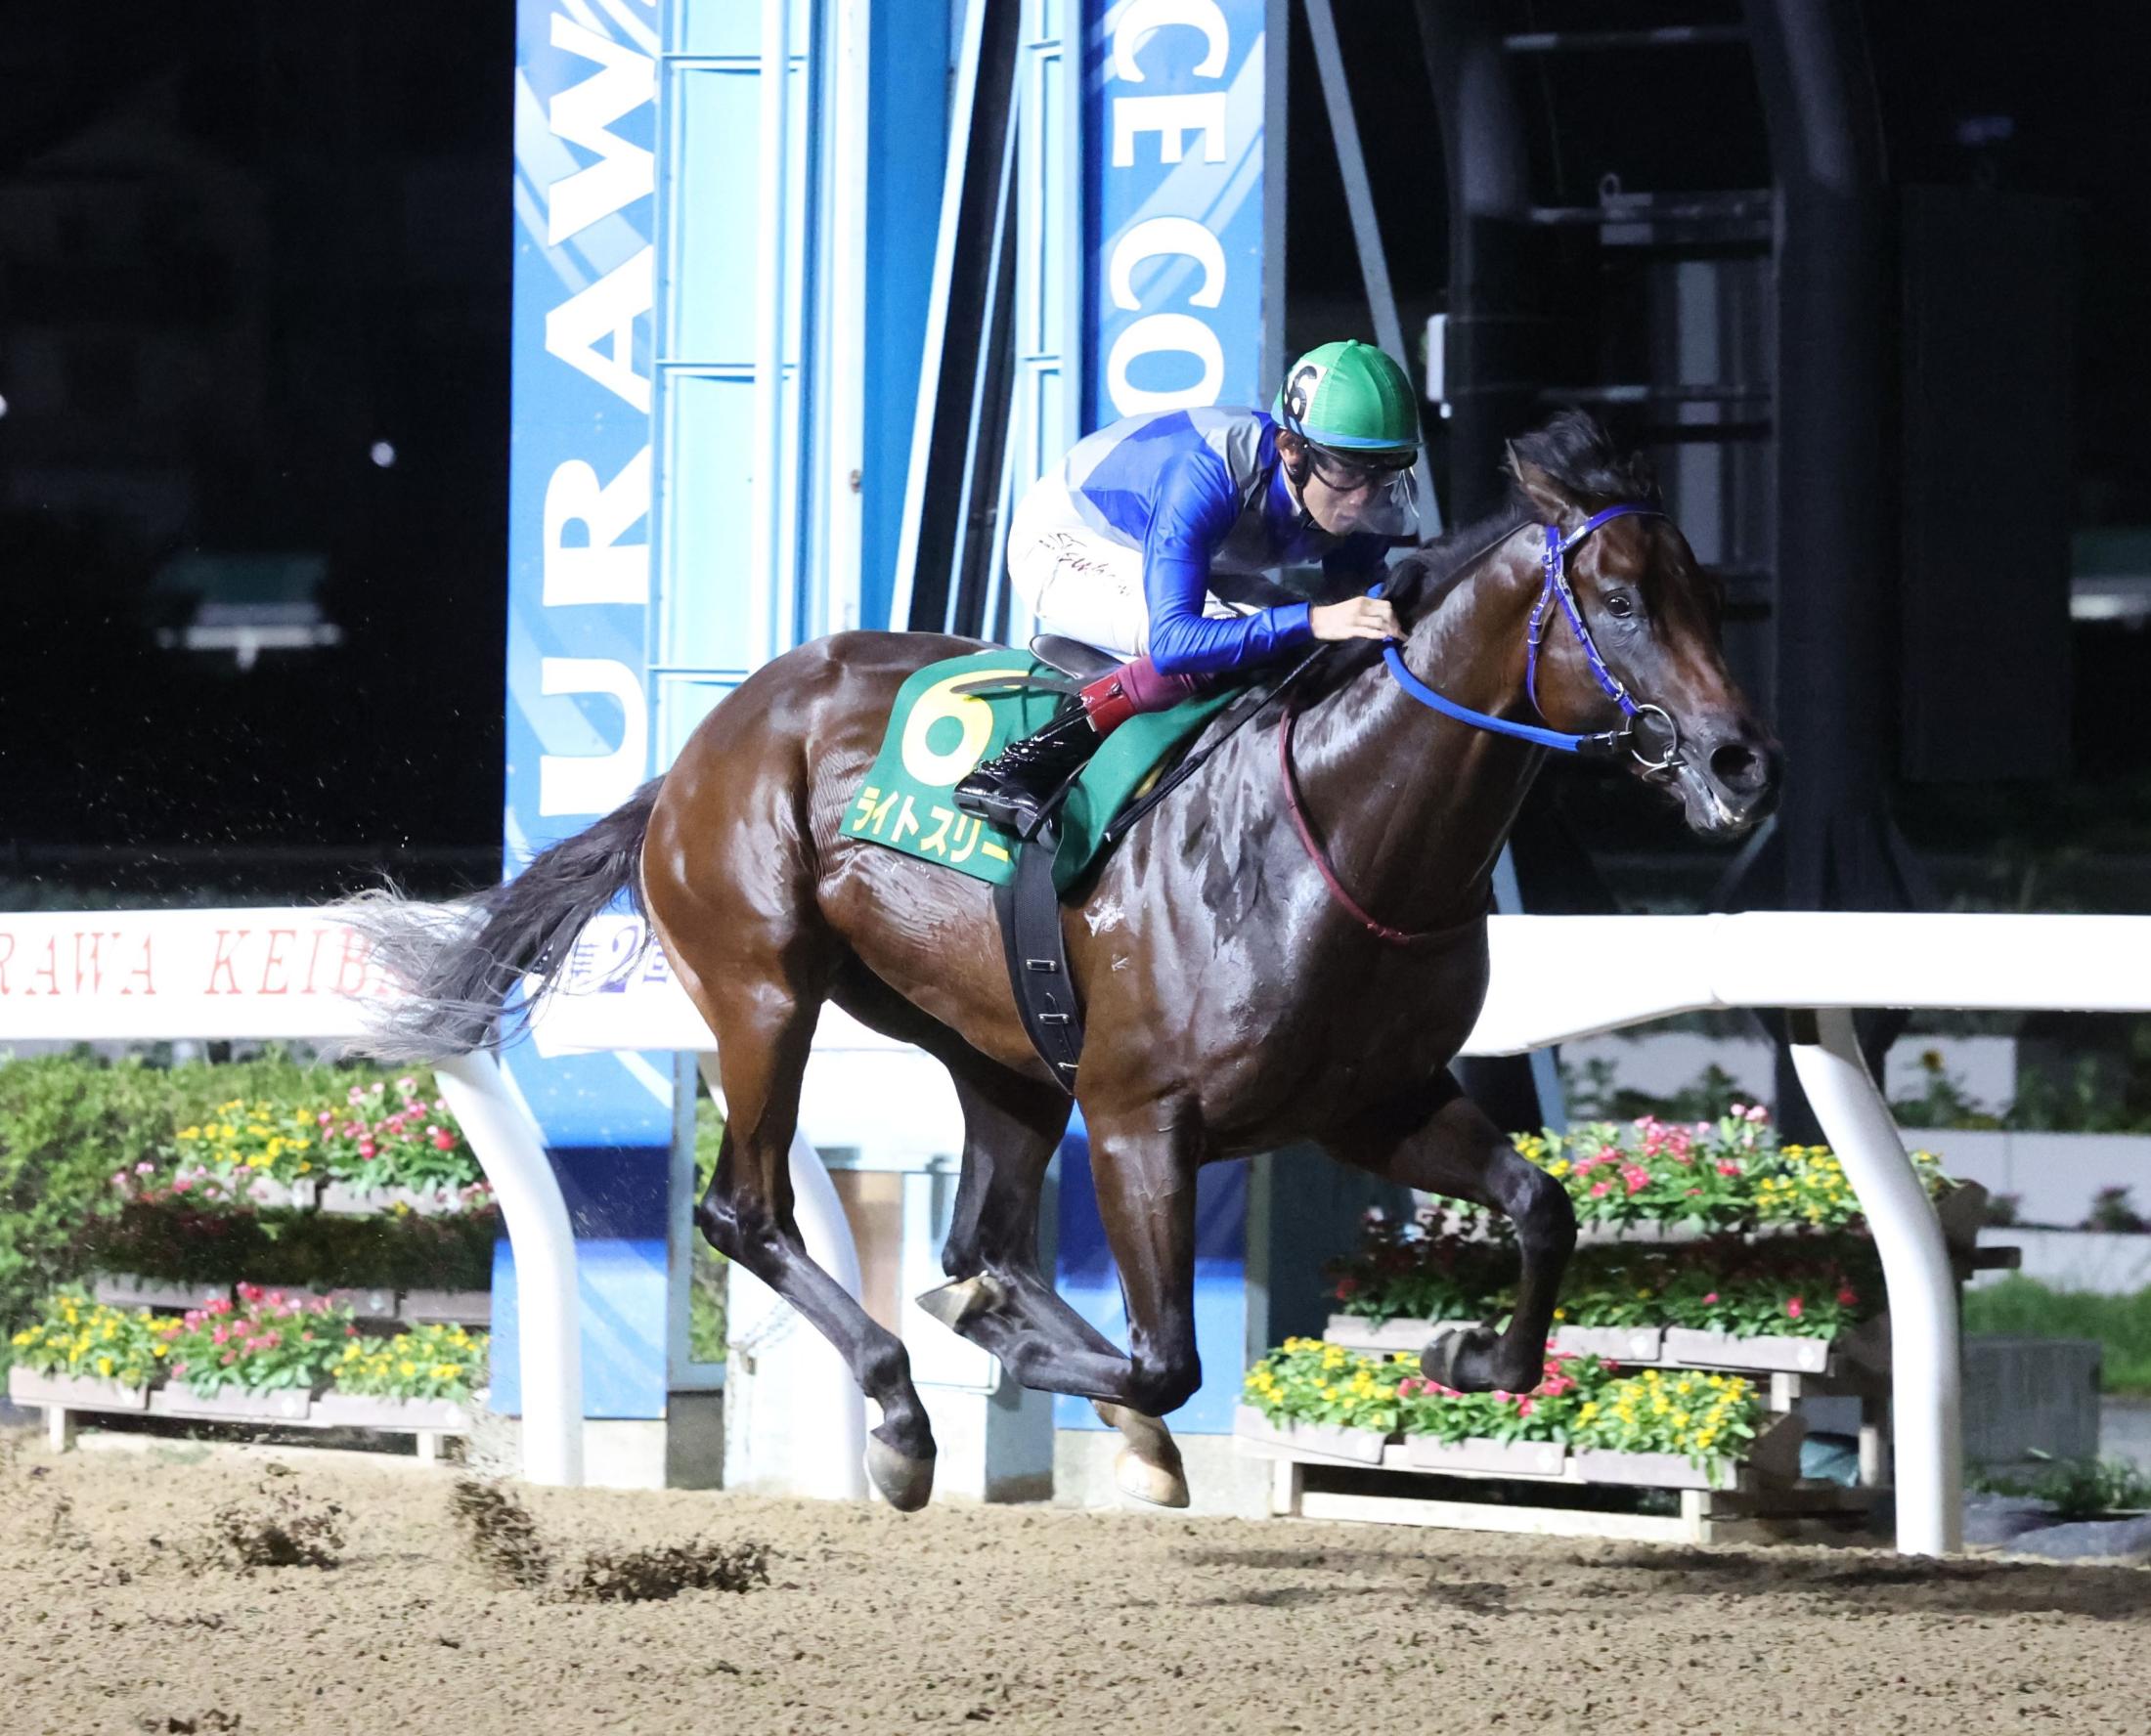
(1690, 1347)
(128, 1289)
(1620, 1344)
(1356, 1332)
(75, 1392)
(233, 1405)
(1314, 1439)
(342, 1199)
(462, 1308)
(1653, 1470)
(299, 1196)
(1493, 1458)
(1773, 1456)
(335, 1409)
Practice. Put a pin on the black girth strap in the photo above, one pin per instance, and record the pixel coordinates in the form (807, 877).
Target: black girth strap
(1029, 912)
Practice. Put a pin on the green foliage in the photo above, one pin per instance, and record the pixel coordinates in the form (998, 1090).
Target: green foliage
(1593, 1096)
(71, 1123)
(706, 1266)
(2079, 1488)
(297, 1249)
(2022, 1307)
(67, 1125)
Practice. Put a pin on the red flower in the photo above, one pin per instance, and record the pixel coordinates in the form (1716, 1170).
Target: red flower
(1846, 1297)
(1345, 1287)
(1795, 1307)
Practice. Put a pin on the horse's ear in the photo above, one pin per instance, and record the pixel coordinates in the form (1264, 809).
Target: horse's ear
(1548, 497)
(1645, 475)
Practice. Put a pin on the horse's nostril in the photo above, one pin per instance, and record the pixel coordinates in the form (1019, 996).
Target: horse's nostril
(1740, 767)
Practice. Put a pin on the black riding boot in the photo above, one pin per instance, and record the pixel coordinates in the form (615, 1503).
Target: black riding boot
(1011, 788)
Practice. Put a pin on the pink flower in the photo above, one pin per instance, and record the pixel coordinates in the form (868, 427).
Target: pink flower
(144, 1167)
(407, 1084)
(1794, 1307)
(1600, 1187)
(1523, 1406)
(220, 1335)
(1756, 1113)
(1727, 1168)
(1712, 1297)
(249, 1292)
(324, 1118)
(368, 1150)
(182, 1185)
(1637, 1177)
(444, 1142)
(119, 1181)
(179, 1368)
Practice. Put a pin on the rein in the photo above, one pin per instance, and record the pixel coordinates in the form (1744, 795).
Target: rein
(1604, 744)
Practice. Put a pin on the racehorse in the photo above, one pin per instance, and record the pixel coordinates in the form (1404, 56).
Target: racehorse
(1292, 946)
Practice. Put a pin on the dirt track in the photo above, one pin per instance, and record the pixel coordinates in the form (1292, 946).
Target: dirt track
(1018, 1619)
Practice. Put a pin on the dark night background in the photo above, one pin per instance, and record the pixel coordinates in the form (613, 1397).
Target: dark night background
(247, 250)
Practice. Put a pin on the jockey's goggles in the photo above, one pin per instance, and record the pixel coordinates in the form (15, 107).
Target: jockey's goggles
(1392, 507)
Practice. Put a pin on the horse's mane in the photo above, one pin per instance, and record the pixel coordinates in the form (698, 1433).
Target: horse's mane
(1575, 453)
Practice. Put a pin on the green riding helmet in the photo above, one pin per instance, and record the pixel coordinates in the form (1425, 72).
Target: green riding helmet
(1351, 398)
(1354, 405)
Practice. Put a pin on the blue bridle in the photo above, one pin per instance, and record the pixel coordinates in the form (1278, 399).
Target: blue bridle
(1557, 590)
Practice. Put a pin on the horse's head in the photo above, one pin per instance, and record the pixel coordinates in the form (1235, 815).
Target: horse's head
(1654, 616)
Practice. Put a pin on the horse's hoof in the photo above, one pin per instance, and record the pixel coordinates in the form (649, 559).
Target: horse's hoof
(1149, 1467)
(904, 1481)
(1138, 1478)
(954, 1303)
(1457, 1360)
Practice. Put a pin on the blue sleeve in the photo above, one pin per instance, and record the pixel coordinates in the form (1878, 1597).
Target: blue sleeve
(1194, 511)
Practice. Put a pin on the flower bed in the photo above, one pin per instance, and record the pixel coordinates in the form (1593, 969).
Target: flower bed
(266, 1358)
(1587, 1421)
(84, 1340)
(1775, 1267)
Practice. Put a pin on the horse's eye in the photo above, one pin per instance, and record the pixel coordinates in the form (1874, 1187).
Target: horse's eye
(1621, 603)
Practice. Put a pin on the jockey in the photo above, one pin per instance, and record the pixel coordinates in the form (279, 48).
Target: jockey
(1161, 539)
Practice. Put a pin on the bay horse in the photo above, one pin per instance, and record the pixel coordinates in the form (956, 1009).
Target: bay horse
(1274, 954)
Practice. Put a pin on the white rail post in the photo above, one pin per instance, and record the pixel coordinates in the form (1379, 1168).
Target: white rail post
(1927, 1376)
(548, 1319)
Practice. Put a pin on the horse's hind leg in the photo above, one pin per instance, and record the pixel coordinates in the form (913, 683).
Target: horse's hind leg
(763, 1011)
(1002, 1301)
(1437, 1139)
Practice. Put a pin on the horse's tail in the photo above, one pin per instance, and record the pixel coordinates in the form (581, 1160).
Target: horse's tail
(459, 962)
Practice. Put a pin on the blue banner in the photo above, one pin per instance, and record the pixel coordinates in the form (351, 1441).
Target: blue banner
(1172, 178)
(1173, 160)
(579, 600)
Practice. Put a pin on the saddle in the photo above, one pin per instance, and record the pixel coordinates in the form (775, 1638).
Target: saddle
(1027, 904)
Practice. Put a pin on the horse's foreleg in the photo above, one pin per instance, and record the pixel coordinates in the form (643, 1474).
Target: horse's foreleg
(1439, 1140)
(1145, 1179)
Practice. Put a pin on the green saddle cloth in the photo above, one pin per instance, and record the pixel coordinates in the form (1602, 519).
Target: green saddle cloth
(936, 735)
